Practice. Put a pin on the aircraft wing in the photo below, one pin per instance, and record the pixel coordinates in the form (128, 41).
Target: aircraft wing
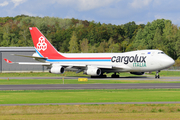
(27, 63)
(95, 65)
(79, 67)
(29, 56)
(64, 64)
(83, 65)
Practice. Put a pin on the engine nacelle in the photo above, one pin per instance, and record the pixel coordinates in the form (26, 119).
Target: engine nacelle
(57, 70)
(93, 71)
(137, 73)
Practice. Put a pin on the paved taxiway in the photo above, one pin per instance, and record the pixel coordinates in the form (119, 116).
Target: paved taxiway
(93, 86)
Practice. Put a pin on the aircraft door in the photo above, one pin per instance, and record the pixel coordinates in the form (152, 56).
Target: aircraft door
(152, 54)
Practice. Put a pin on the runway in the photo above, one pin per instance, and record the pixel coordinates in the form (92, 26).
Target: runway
(94, 86)
(90, 86)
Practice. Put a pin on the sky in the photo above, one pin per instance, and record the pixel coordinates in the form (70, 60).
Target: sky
(104, 11)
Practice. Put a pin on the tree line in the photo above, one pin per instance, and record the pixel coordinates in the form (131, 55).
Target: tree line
(73, 35)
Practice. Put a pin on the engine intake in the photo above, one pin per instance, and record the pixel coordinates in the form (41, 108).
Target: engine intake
(57, 70)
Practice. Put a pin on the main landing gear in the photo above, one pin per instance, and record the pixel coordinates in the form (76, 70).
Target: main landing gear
(101, 76)
(104, 76)
(114, 75)
(157, 76)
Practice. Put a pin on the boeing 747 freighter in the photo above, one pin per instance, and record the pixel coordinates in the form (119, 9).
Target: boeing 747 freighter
(95, 64)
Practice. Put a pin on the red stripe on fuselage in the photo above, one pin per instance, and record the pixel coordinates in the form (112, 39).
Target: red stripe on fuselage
(59, 56)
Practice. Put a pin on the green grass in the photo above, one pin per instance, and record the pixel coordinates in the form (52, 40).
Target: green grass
(75, 81)
(39, 74)
(85, 96)
(46, 74)
(91, 112)
(167, 73)
(67, 73)
(95, 116)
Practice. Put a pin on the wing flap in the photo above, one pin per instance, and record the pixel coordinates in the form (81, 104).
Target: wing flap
(95, 65)
(84, 65)
(72, 65)
(121, 67)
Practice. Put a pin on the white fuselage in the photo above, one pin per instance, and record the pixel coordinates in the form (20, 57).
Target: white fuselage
(135, 61)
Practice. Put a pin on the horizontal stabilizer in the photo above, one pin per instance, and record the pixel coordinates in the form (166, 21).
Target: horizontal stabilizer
(8, 61)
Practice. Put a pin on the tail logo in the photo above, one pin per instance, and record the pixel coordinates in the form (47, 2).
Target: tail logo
(41, 45)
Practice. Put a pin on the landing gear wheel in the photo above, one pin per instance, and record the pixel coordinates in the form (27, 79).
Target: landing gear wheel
(157, 74)
(114, 75)
(101, 76)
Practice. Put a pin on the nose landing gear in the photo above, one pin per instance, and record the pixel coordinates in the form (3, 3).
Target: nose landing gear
(157, 76)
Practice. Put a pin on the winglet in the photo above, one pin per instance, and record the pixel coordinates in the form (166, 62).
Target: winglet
(8, 61)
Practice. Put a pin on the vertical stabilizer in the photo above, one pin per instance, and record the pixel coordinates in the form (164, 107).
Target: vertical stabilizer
(43, 47)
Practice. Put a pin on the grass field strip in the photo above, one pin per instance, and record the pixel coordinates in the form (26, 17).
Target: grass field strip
(92, 112)
(65, 109)
(89, 96)
(75, 81)
(102, 103)
(69, 74)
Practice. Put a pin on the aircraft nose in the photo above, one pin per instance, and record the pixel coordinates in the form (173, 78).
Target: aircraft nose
(171, 62)
(168, 61)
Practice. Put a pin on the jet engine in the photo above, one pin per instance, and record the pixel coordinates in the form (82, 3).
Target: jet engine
(93, 71)
(137, 73)
(57, 70)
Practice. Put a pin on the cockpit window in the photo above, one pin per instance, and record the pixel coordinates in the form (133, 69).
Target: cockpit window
(161, 53)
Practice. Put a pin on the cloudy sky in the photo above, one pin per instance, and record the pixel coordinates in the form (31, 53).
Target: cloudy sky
(105, 11)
